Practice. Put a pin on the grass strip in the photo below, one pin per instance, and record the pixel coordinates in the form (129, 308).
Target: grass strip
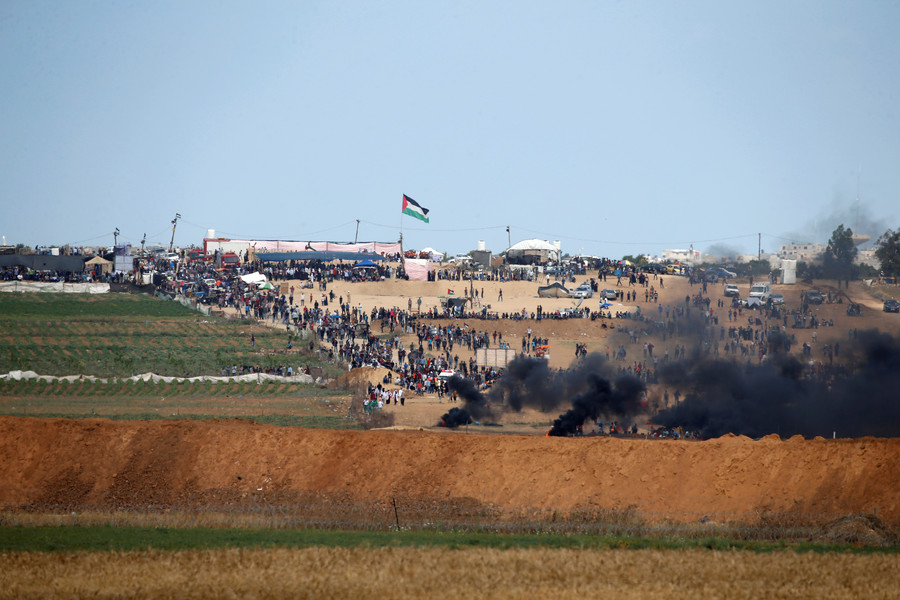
(115, 539)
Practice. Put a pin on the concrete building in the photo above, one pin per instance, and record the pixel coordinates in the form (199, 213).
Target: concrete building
(805, 252)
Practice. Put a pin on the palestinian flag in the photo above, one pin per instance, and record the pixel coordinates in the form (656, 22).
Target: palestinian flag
(412, 208)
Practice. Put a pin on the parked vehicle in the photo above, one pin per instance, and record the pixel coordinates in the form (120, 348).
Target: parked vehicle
(762, 291)
(815, 297)
(582, 291)
(891, 305)
(776, 299)
(732, 291)
(719, 273)
(609, 294)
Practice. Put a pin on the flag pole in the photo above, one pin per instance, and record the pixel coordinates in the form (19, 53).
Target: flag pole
(401, 229)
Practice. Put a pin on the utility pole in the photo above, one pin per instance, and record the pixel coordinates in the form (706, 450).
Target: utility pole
(143, 239)
(355, 237)
(759, 247)
(508, 238)
(116, 237)
(174, 224)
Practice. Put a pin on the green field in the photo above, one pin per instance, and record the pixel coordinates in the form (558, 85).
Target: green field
(119, 335)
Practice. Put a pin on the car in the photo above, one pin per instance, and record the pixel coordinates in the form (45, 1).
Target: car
(776, 299)
(891, 305)
(732, 291)
(582, 291)
(815, 297)
(722, 272)
(609, 294)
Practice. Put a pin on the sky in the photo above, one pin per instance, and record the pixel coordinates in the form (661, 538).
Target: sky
(614, 127)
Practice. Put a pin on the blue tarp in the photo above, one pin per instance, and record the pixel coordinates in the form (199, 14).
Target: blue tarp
(365, 263)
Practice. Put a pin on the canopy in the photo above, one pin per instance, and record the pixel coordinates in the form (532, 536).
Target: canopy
(365, 264)
(253, 278)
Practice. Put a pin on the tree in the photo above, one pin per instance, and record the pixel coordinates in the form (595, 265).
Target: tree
(840, 254)
(639, 260)
(887, 251)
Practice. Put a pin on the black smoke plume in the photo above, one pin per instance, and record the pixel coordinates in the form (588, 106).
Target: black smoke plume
(786, 397)
(591, 388)
(602, 398)
(475, 405)
(455, 417)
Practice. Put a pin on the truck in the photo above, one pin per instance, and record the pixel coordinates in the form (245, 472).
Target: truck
(761, 291)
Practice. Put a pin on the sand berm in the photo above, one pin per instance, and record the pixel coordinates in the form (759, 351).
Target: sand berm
(102, 463)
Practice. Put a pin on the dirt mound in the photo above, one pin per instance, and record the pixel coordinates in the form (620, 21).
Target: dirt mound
(359, 377)
(58, 462)
(862, 529)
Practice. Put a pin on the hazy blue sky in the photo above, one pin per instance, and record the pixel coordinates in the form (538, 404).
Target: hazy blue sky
(615, 127)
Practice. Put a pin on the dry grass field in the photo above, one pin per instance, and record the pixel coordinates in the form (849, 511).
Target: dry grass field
(419, 573)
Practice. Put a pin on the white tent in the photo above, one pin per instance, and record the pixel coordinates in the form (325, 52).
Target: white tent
(253, 278)
(434, 254)
(535, 246)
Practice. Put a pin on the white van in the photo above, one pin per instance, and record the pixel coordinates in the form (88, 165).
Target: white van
(761, 291)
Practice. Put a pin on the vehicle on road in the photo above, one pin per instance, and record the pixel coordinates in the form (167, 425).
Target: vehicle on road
(891, 305)
(732, 291)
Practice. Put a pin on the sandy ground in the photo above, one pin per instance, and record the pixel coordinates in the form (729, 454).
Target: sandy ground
(189, 463)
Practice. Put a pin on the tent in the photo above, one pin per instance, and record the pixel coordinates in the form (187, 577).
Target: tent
(104, 265)
(417, 269)
(554, 290)
(433, 254)
(253, 278)
(365, 264)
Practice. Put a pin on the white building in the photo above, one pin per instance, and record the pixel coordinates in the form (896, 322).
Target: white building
(689, 256)
(806, 252)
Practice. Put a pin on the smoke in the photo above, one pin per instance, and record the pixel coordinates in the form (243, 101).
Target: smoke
(455, 417)
(843, 210)
(784, 397)
(475, 405)
(592, 389)
(603, 398)
(723, 251)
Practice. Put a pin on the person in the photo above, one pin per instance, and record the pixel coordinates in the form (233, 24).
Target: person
(252, 340)
(500, 296)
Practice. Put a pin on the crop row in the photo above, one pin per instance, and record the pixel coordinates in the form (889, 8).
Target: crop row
(79, 306)
(65, 388)
(180, 359)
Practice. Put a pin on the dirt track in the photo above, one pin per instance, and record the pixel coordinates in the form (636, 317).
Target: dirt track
(220, 463)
